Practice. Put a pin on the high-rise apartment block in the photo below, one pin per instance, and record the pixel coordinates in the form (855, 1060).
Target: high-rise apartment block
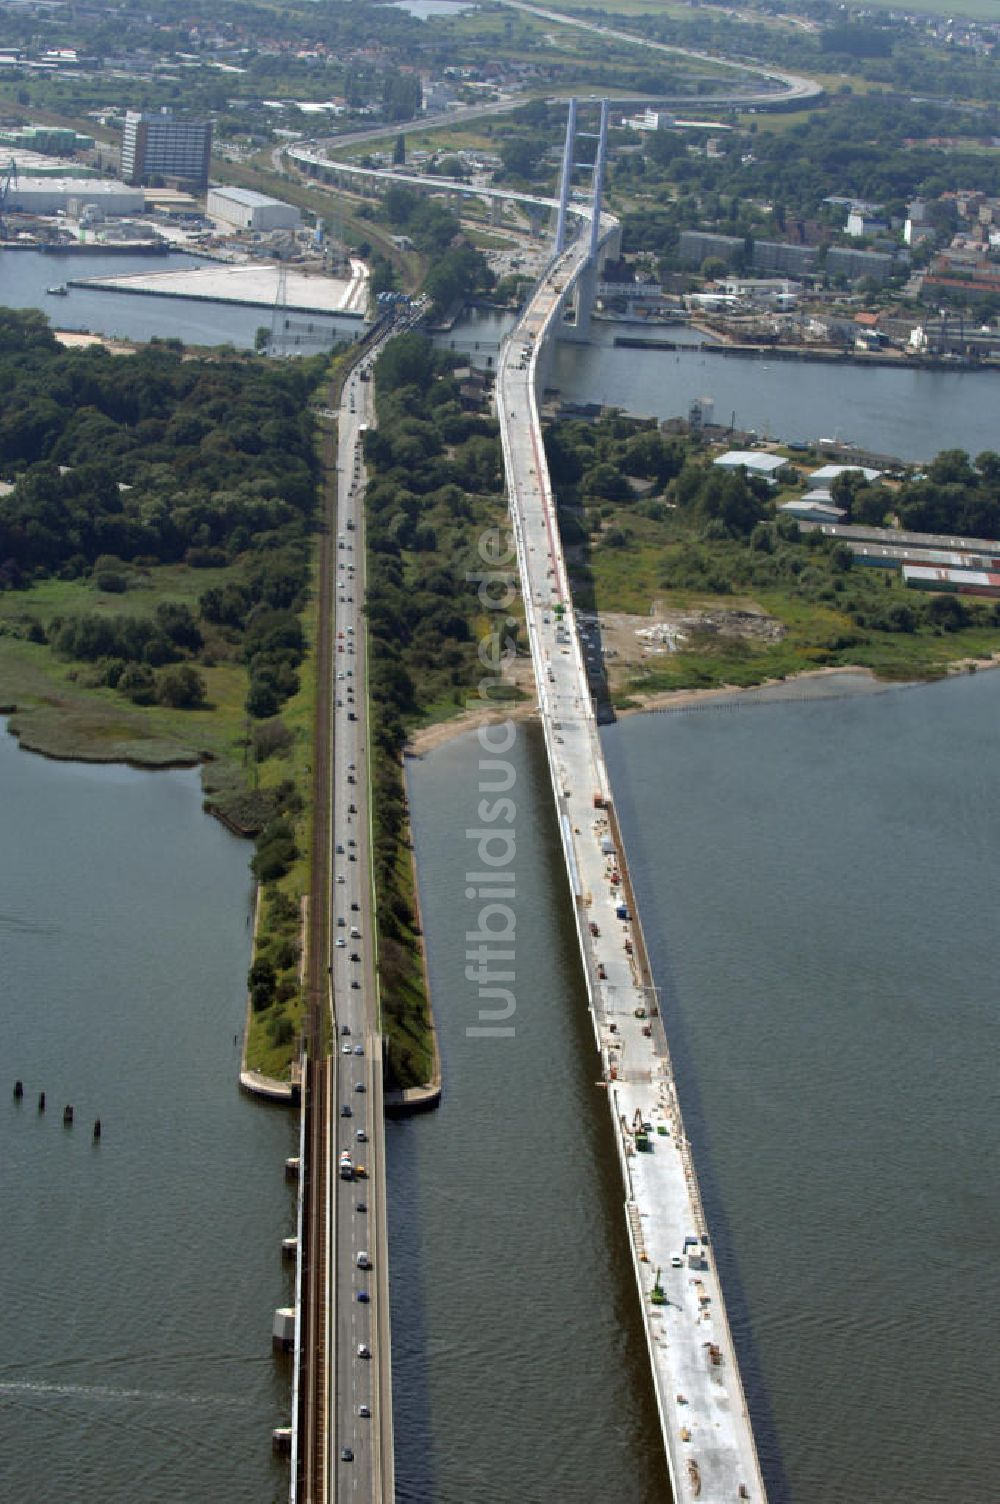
(158, 145)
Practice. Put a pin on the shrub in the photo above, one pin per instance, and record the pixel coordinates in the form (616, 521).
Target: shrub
(261, 981)
(138, 683)
(181, 687)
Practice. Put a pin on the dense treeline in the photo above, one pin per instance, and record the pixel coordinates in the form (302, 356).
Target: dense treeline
(151, 455)
(124, 464)
(437, 483)
(955, 496)
(132, 478)
(457, 270)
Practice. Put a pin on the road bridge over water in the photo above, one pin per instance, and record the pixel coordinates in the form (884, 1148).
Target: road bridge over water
(706, 1425)
(341, 1436)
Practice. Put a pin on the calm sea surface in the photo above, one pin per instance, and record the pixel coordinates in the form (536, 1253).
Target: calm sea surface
(139, 1274)
(818, 883)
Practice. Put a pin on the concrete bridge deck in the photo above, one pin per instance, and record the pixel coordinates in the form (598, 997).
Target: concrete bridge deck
(706, 1426)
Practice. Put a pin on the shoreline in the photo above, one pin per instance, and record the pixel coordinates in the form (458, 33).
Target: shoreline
(806, 685)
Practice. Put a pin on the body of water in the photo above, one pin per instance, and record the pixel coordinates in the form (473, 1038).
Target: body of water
(909, 413)
(818, 886)
(139, 1274)
(24, 276)
(519, 1361)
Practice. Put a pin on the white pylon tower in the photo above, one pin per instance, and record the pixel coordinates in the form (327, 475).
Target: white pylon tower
(567, 175)
(598, 190)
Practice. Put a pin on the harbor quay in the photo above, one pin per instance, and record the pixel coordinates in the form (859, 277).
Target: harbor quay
(255, 286)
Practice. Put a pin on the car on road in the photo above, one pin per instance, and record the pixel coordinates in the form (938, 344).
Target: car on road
(359, 1049)
(363, 1261)
(362, 1206)
(677, 1262)
(346, 1455)
(346, 1110)
(345, 1049)
(363, 1297)
(341, 942)
(355, 983)
(340, 877)
(364, 1411)
(362, 1136)
(351, 716)
(354, 954)
(364, 1351)
(355, 906)
(345, 1028)
(359, 1086)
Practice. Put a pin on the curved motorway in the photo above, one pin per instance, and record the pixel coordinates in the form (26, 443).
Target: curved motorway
(790, 86)
(793, 85)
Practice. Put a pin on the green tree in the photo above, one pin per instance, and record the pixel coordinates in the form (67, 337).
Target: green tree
(519, 156)
(181, 687)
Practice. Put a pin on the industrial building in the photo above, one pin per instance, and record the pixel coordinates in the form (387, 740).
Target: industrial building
(817, 507)
(160, 145)
(67, 195)
(242, 209)
(989, 547)
(756, 461)
(954, 581)
(54, 139)
(828, 473)
(33, 164)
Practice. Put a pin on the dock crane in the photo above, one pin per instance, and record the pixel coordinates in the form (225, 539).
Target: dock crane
(9, 176)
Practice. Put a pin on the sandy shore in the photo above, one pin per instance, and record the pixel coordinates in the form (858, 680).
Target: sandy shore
(429, 737)
(812, 684)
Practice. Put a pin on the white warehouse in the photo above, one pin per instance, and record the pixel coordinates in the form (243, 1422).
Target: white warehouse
(58, 195)
(242, 209)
